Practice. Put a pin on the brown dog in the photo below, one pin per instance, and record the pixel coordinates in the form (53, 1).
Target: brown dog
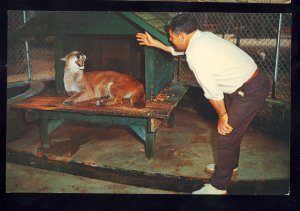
(109, 87)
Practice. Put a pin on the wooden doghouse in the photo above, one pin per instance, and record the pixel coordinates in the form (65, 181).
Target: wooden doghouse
(108, 40)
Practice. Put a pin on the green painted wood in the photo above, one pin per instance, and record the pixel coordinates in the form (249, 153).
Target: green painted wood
(54, 124)
(149, 145)
(71, 116)
(44, 133)
(140, 131)
(170, 120)
(163, 71)
(147, 27)
(175, 91)
(149, 72)
(138, 125)
(97, 22)
(158, 65)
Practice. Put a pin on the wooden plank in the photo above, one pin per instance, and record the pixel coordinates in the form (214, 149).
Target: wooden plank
(154, 109)
(172, 93)
(163, 70)
(94, 118)
(43, 103)
(149, 145)
(149, 72)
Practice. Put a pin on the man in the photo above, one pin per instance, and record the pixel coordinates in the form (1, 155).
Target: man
(223, 71)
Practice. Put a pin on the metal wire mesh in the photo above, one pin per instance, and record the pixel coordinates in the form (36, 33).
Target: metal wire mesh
(34, 63)
(257, 35)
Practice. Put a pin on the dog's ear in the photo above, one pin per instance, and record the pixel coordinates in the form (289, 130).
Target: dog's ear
(63, 59)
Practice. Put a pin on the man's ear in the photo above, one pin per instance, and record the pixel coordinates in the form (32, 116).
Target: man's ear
(182, 36)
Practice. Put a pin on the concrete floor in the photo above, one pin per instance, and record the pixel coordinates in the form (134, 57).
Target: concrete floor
(181, 154)
(26, 179)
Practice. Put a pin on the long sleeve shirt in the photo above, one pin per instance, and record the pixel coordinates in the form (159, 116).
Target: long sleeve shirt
(218, 65)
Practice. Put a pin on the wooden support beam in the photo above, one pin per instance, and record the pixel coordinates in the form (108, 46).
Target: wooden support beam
(149, 72)
(147, 137)
(140, 131)
(54, 124)
(44, 133)
(170, 120)
(149, 145)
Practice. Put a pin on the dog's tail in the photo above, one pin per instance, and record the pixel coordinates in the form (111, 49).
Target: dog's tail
(138, 97)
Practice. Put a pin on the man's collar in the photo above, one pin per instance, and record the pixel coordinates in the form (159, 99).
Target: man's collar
(193, 37)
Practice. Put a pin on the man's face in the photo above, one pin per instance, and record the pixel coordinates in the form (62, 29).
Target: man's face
(178, 40)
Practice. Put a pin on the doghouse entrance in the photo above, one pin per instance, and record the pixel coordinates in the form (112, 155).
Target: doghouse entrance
(120, 53)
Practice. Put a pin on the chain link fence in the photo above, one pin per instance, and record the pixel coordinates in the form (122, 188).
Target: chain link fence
(29, 58)
(257, 34)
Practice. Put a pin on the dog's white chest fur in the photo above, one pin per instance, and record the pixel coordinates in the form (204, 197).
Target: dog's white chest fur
(72, 81)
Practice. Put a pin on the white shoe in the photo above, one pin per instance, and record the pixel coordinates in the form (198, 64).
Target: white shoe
(208, 189)
(210, 168)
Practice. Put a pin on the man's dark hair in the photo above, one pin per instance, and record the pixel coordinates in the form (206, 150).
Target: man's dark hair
(182, 23)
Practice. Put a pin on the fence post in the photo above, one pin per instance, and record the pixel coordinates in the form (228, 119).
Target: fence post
(277, 56)
(27, 50)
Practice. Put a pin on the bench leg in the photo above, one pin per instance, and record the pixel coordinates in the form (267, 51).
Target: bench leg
(170, 120)
(46, 128)
(147, 137)
(149, 145)
(44, 133)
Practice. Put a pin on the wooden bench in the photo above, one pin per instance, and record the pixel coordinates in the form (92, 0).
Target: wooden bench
(144, 122)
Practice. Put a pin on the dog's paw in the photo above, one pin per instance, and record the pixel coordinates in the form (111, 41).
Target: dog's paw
(100, 102)
(68, 102)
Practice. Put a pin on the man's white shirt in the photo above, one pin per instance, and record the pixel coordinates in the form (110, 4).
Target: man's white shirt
(218, 65)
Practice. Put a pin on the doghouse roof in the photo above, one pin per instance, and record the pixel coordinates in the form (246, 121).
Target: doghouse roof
(44, 23)
(153, 22)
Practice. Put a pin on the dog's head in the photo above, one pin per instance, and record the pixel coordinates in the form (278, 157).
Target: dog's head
(74, 60)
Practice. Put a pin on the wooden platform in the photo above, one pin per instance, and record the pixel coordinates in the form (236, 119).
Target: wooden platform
(53, 103)
(143, 122)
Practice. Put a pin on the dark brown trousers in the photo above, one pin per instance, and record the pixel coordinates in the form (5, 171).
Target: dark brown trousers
(241, 106)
